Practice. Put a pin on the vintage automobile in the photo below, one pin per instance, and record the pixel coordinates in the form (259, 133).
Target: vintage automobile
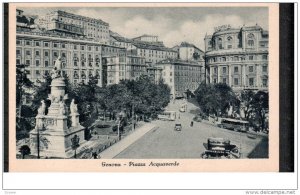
(220, 148)
(178, 127)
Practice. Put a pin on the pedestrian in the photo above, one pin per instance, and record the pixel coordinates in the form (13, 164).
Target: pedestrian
(178, 115)
(192, 123)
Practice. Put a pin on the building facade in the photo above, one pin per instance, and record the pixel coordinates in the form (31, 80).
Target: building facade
(124, 67)
(188, 51)
(155, 73)
(238, 57)
(146, 38)
(181, 76)
(77, 25)
(81, 59)
(153, 52)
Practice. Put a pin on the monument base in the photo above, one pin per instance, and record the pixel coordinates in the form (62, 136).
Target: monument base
(56, 143)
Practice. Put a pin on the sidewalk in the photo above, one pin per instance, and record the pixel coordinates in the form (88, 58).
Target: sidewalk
(118, 147)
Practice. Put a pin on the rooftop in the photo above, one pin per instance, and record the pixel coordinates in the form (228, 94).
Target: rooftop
(121, 39)
(83, 17)
(179, 61)
(147, 45)
(186, 44)
(145, 35)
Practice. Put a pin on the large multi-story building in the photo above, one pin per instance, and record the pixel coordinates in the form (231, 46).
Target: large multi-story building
(155, 73)
(153, 52)
(147, 38)
(81, 58)
(238, 57)
(181, 76)
(77, 25)
(188, 51)
(124, 67)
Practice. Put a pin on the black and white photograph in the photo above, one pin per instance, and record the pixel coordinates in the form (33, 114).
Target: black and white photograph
(157, 96)
(142, 83)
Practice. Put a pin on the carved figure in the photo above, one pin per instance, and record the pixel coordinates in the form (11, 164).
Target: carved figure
(51, 97)
(57, 99)
(62, 108)
(42, 108)
(56, 71)
(73, 107)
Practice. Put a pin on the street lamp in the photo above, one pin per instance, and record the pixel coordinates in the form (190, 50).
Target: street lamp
(75, 143)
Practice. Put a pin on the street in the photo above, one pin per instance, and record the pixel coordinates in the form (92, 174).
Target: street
(164, 142)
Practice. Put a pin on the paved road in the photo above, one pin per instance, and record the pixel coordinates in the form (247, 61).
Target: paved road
(164, 142)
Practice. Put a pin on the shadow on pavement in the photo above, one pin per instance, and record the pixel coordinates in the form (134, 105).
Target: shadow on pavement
(261, 150)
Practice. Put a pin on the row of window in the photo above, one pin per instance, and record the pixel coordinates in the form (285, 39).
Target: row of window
(83, 74)
(47, 64)
(156, 52)
(236, 69)
(81, 22)
(65, 45)
(122, 67)
(238, 58)
(187, 68)
(236, 82)
(55, 54)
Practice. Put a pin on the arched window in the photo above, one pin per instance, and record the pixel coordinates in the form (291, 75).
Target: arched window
(220, 43)
(229, 42)
(250, 40)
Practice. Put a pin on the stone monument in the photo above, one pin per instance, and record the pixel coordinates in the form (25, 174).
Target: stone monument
(52, 137)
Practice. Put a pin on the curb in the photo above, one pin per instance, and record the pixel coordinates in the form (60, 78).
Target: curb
(118, 147)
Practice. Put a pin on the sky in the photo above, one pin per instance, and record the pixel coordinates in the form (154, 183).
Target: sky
(172, 25)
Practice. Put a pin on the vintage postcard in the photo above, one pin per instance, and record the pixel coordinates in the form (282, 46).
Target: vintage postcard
(131, 87)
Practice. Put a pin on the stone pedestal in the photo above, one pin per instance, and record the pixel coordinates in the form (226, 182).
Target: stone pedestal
(52, 130)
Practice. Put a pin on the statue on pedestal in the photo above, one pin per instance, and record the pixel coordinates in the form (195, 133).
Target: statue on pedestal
(42, 108)
(73, 107)
(56, 71)
(74, 113)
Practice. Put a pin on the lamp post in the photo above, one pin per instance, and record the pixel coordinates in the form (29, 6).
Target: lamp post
(38, 142)
(133, 118)
(75, 143)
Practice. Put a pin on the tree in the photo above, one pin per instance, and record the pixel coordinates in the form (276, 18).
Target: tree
(24, 150)
(260, 105)
(23, 85)
(246, 98)
(205, 95)
(215, 99)
(225, 97)
(41, 92)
